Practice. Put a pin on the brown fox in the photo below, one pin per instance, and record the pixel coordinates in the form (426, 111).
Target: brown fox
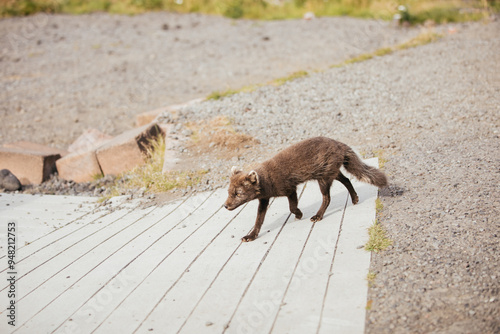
(318, 159)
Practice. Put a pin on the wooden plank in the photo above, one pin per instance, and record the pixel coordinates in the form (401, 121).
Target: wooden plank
(159, 268)
(90, 272)
(345, 302)
(133, 263)
(301, 306)
(182, 296)
(221, 298)
(66, 229)
(48, 233)
(37, 216)
(41, 265)
(61, 272)
(259, 306)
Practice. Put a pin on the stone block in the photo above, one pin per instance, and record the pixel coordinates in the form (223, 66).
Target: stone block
(30, 167)
(126, 151)
(79, 167)
(89, 140)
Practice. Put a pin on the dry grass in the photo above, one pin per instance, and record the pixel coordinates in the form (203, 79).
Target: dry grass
(218, 133)
(217, 95)
(423, 38)
(149, 176)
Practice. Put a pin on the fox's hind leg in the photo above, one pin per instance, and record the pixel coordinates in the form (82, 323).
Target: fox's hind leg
(347, 183)
(293, 202)
(324, 186)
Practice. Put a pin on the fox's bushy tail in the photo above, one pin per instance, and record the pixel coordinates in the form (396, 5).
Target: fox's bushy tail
(362, 171)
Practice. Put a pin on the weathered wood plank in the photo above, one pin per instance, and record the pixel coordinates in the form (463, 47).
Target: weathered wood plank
(221, 299)
(98, 268)
(345, 301)
(301, 306)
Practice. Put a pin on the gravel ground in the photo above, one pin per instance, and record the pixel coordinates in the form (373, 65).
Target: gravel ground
(63, 73)
(432, 113)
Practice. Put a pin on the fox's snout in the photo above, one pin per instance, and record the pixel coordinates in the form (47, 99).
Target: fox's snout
(229, 207)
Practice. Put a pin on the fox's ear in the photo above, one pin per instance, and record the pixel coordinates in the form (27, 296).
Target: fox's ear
(253, 177)
(235, 170)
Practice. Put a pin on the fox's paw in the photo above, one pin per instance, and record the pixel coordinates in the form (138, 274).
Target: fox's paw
(298, 215)
(355, 200)
(316, 218)
(248, 238)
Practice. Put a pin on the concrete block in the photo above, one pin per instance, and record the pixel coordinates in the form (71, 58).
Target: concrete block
(30, 167)
(127, 150)
(89, 140)
(79, 167)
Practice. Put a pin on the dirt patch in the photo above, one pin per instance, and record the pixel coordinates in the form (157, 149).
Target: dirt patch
(218, 135)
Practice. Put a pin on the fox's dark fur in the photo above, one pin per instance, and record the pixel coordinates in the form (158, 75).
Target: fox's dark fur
(318, 159)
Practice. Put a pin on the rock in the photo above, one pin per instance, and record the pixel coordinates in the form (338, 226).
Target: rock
(89, 140)
(126, 151)
(79, 167)
(30, 167)
(9, 181)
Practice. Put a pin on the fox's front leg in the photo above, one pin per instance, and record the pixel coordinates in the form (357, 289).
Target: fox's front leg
(293, 202)
(261, 213)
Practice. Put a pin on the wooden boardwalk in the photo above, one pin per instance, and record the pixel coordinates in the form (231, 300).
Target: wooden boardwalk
(181, 268)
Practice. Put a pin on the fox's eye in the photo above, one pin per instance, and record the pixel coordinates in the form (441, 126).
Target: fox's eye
(238, 195)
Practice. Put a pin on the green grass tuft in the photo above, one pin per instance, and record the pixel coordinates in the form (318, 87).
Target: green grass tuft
(379, 206)
(370, 278)
(378, 240)
(217, 95)
(291, 77)
(423, 38)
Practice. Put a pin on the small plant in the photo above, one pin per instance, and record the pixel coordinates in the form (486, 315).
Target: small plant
(379, 206)
(217, 95)
(370, 278)
(377, 238)
(423, 38)
(382, 160)
(291, 77)
(150, 176)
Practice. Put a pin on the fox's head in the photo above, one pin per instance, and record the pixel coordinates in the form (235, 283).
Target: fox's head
(243, 188)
